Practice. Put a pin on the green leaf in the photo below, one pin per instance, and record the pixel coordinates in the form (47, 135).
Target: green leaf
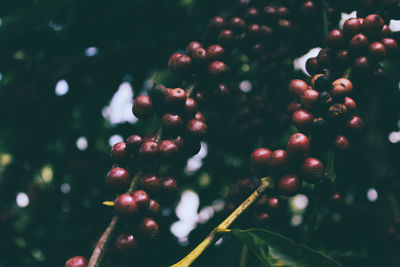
(275, 250)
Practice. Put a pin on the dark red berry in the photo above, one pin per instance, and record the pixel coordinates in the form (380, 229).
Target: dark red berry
(312, 170)
(308, 7)
(309, 98)
(133, 143)
(216, 23)
(199, 56)
(150, 183)
(336, 201)
(176, 98)
(149, 151)
(372, 25)
(342, 57)
(337, 112)
(377, 51)
(325, 58)
(302, 118)
(154, 208)
(390, 45)
(118, 179)
(226, 37)
(125, 205)
(143, 107)
(253, 31)
(341, 144)
(293, 106)
(125, 243)
(215, 52)
(237, 24)
(361, 64)
(190, 106)
(282, 12)
(297, 87)
(335, 39)
(298, 146)
(260, 157)
(351, 27)
(172, 59)
(358, 43)
(269, 13)
(77, 261)
(350, 103)
(200, 117)
(149, 229)
(168, 150)
(278, 160)
(191, 48)
(196, 128)
(386, 31)
(171, 122)
(273, 203)
(182, 64)
(218, 69)
(312, 66)
(262, 219)
(251, 14)
(119, 152)
(169, 186)
(142, 199)
(354, 124)
(289, 185)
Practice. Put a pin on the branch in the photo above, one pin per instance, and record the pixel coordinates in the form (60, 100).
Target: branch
(223, 227)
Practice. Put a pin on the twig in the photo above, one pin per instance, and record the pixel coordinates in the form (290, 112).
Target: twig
(243, 257)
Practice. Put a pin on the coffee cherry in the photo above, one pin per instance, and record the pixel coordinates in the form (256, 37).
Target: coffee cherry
(312, 170)
(337, 112)
(358, 43)
(345, 83)
(293, 106)
(298, 146)
(77, 261)
(119, 152)
(142, 199)
(215, 52)
(221, 91)
(262, 219)
(302, 118)
(354, 124)
(335, 39)
(200, 117)
(182, 64)
(350, 103)
(125, 243)
(372, 24)
(259, 158)
(351, 27)
(361, 64)
(297, 87)
(307, 7)
(342, 57)
(168, 150)
(199, 56)
(386, 31)
(133, 143)
(312, 66)
(336, 200)
(269, 13)
(218, 69)
(390, 45)
(169, 187)
(172, 122)
(191, 48)
(149, 229)
(154, 208)
(278, 160)
(176, 99)
(252, 14)
(341, 144)
(309, 98)
(196, 128)
(150, 137)
(143, 107)
(273, 203)
(377, 51)
(149, 151)
(289, 185)
(118, 179)
(253, 31)
(151, 183)
(216, 23)
(172, 59)
(324, 58)
(226, 37)
(238, 25)
(325, 100)
(125, 205)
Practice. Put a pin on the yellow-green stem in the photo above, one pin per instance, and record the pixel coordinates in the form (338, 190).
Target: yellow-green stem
(223, 227)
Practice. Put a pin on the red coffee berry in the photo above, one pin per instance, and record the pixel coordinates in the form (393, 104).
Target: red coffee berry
(308, 7)
(341, 144)
(335, 38)
(168, 150)
(342, 56)
(354, 124)
(226, 37)
(312, 66)
(390, 45)
(190, 106)
(309, 98)
(350, 103)
(302, 118)
(133, 143)
(125, 205)
(150, 183)
(345, 83)
(325, 58)
(293, 106)
(298, 146)
(253, 31)
(262, 219)
(312, 170)
(386, 31)
(172, 59)
(358, 43)
(216, 23)
(182, 64)
(289, 185)
(361, 64)
(172, 122)
(377, 51)
(196, 128)
(143, 107)
(199, 56)
(149, 151)
(142, 199)
(278, 160)
(77, 261)
(273, 203)
(260, 157)
(297, 87)
(215, 52)
(336, 200)
(169, 186)
(154, 208)
(176, 98)
(238, 25)
(372, 24)
(337, 112)
(125, 243)
(119, 152)
(118, 179)
(351, 27)
(218, 69)
(191, 48)
(149, 229)
(252, 14)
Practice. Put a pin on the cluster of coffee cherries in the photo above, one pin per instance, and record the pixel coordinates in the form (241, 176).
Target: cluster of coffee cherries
(362, 44)
(260, 213)
(325, 110)
(388, 9)
(288, 167)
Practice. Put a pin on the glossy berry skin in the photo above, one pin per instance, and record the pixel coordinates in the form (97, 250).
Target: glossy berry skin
(125, 243)
(172, 59)
(151, 183)
(142, 199)
(260, 158)
(262, 219)
(154, 208)
(361, 64)
(149, 151)
(191, 48)
(176, 99)
(238, 25)
(337, 112)
(215, 52)
(377, 51)
(118, 179)
(354, 124)
(345, 83)
(293, 106)
(351, 27)
(350, 103)
(143, 107)
(297, 87)
(77, 261)
(218, 69)
(168, 150)
(289, 185)
(149, 229)
(298, 146)
(273, 203)
(341, 144)
(200, 117)
(390, 45)
(359, 43)
(182, 64)
(125, 205)
(312, 66)
(216, 23)
(302, 118)
(133, 143)
(335, 38)
(312, 170)
(119, 152)
(169, 186)
(309, 98)
(278, 160)
(190, 106)
(196, 128)
(226, 37)
(172, 122)
(372, 24)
